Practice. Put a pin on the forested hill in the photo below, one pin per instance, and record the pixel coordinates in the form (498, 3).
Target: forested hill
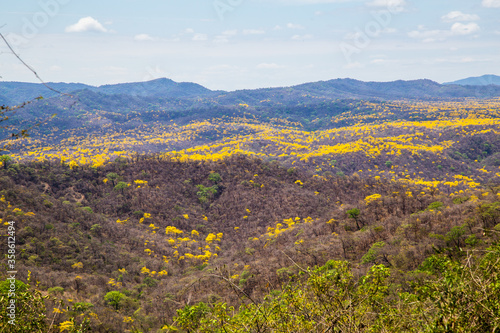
(154, 244)
(88, 111)
(17, 92)
(271, 210)
(13, 93)
(478, 81)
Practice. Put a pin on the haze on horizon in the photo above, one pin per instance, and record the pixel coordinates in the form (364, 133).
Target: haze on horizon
(239, 44)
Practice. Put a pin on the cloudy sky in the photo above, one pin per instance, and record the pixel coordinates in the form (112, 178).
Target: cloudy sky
(237, 44)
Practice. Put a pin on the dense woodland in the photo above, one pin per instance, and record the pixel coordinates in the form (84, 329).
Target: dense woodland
(275, 210)
(339, 253)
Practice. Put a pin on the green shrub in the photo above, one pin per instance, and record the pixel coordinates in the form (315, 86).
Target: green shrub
(372, 254)
(82, 306)
(353, 213)
(204, 193)
(437, 205)
(150, 282)
(55, 290)
(214, 177)
(88, 209)
(459, 200)
(115, 299)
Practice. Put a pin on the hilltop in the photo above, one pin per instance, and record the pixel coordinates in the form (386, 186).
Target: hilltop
(477, 81)
(17, 92)
(14, 93)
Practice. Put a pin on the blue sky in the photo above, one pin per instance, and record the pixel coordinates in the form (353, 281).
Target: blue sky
(238, 44)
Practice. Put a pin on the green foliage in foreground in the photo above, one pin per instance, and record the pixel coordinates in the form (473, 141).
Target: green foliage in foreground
(27, 314)
(444, 295)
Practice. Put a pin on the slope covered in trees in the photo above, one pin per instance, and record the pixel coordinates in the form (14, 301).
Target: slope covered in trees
(124, 246)
(269, 216)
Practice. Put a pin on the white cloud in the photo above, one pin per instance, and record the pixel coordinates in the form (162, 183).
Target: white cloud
(230, 32)
(217, 69)
(491, 3)
(301, 37)
(353, 65)
(86, 24)
(455, 60)
(464, 29)
(467, 59)
(224, 37)
(377, 61)
(393, 5)
(353, 35)
(269, 66)
(457, 29)
(459, 16)
(429, 35)
(55, 68)
(143, 37)
(189, 31)
(386, 3)
(357, 35)
(294, 26)
(114, 70)
(200, 37)
(221, 39)
(253, 32)
(308, 2)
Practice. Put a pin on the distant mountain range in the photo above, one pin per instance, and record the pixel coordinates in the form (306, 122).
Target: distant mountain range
(18, 92)
(477, 81)
(12, 93)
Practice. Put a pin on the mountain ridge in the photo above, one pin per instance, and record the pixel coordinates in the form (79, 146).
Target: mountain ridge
(483, 80)
(13, 93)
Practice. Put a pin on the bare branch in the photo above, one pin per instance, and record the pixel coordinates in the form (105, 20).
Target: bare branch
(31, 68)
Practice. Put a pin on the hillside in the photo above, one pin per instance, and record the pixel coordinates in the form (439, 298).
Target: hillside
(477, 81)
(300, 212)
(164, 235)
(14, 93)
(17, 92)
(97, 111)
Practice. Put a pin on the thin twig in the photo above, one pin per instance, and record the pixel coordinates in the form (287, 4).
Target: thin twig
(302, 269)
(54, 318)
(236, 288)
(31, 68)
